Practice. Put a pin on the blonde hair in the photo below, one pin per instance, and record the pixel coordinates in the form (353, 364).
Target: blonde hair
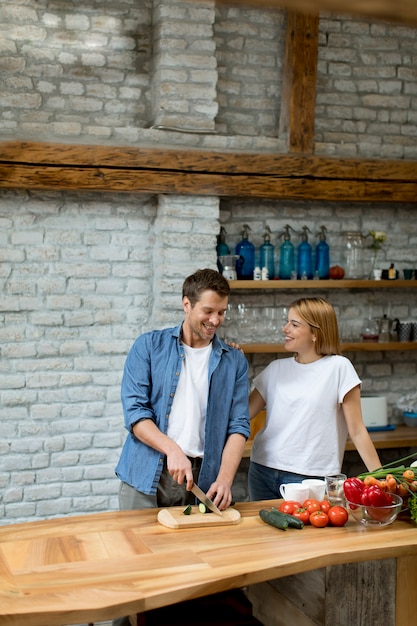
(320, 315)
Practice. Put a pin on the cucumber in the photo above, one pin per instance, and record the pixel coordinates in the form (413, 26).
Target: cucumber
(202, 508)
(293, 522)
(269, 517)
(187, 510)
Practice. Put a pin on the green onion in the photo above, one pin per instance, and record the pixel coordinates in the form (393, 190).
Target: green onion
(391, 468)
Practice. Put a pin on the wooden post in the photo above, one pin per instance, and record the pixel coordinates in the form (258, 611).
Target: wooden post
(299, 82)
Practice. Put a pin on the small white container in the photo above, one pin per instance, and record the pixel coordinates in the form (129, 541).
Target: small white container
(374, 411)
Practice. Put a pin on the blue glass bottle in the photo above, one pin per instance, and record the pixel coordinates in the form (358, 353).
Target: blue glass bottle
(322, 255)
(286, 255)
(304, 256)
(246, 250)
(266, 255)
(222, 248)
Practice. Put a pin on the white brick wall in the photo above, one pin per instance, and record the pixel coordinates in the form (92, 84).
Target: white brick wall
(250, 52)
(366, 97)
(185, 76)
(82, 275)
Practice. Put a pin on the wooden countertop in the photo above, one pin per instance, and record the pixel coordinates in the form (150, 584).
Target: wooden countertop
(401, 437)
(96, 567)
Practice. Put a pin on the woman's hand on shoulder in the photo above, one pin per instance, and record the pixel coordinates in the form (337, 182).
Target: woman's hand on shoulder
(235, 345)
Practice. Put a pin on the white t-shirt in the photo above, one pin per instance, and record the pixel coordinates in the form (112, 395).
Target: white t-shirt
(187, 419)
(305, 430)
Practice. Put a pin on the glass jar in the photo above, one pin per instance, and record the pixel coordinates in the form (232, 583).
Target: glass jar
(353, 249)
(370, 330)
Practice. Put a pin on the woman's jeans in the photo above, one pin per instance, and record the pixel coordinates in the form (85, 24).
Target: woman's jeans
(264, 482)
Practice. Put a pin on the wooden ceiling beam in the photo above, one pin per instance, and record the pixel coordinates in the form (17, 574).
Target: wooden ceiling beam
(205, 184)
(36, 154)
(197, 172)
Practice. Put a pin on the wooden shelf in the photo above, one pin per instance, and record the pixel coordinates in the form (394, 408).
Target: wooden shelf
(401, 437)
(323, 284)
(359, 346)
(375, 346)
(347, 346)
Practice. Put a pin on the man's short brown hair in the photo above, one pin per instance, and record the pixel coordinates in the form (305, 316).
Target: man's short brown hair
(204, 280)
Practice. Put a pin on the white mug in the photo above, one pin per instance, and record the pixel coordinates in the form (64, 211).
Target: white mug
(294, 491)
(317, 488)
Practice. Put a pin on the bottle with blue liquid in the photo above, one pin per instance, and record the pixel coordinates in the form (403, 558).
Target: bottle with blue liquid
(304, 256)
(286, 255)
(222, 248)
(266, 256)
(246, 250)
(322, 264)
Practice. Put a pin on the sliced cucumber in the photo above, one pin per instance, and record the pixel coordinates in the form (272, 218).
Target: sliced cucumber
(187, 510)
(202, 508)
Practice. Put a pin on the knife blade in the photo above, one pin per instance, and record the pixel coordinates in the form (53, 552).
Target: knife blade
(205, 500)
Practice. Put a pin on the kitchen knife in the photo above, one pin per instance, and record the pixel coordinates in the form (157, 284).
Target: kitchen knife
(205, 500)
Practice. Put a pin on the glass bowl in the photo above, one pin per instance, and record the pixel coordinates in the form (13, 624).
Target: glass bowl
(376, 516)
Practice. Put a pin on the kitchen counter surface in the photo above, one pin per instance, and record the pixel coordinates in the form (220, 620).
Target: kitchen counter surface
(94, 567)
(400, 437)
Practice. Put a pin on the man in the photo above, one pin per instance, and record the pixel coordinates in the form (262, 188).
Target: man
(185, 401)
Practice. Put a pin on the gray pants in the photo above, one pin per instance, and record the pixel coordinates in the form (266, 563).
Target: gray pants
(169, 493)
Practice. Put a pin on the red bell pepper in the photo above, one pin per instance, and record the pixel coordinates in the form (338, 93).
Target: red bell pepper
(374, 496)
(374, 499)
(353, 489)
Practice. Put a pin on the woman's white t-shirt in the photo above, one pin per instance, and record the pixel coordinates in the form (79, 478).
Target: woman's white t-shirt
(305, 430)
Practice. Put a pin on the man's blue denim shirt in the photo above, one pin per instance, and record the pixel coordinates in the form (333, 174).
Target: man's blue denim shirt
(150, 379)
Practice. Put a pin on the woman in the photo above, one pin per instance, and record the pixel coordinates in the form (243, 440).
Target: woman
(312, 403)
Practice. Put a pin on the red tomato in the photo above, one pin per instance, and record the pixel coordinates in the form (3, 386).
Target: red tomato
(319, 519)
(289, 506)
(379, 514)
(338, 516)
(312, 505)
(336, 272)
(325, 505)
(302, 514)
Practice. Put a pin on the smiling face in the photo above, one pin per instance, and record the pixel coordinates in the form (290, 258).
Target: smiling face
(203, 319)
(300, 338)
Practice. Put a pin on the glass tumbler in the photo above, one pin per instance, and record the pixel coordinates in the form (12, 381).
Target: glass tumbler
(334, 489)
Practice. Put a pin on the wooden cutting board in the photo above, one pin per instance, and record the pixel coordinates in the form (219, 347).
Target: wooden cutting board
(174, 517)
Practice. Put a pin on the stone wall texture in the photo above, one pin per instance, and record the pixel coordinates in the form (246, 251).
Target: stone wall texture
(83, 274)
